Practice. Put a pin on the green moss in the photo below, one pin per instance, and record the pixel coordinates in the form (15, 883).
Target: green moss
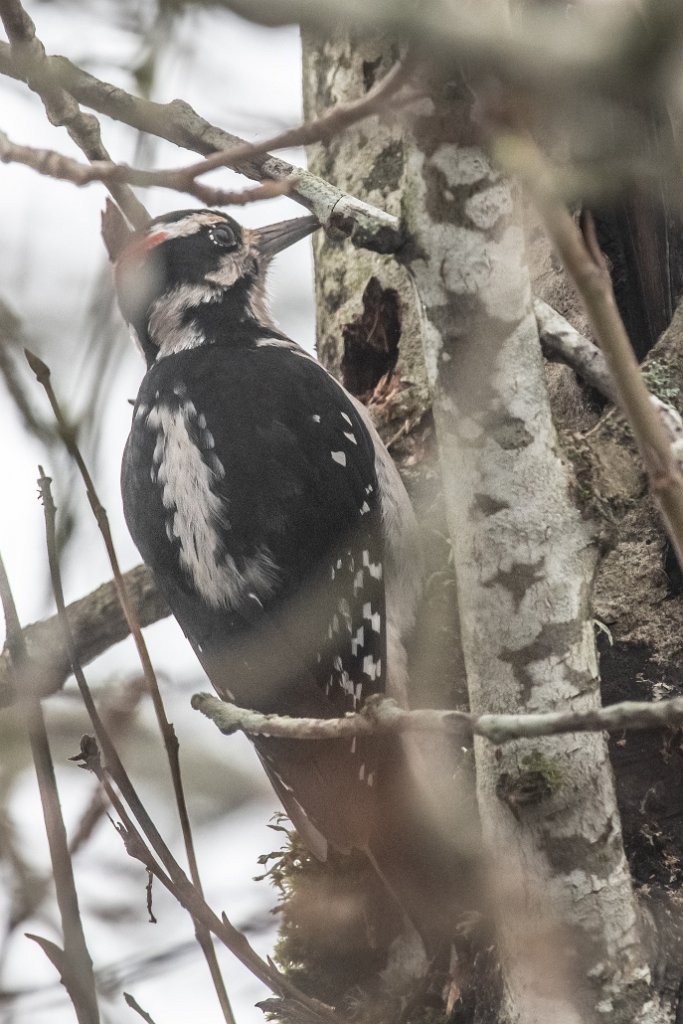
(387, 168)
(539, 764)
(336, 929)
(662, 383)
(538, 780)
(327, 944)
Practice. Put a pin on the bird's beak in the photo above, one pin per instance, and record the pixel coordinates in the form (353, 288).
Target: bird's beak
(276, 237)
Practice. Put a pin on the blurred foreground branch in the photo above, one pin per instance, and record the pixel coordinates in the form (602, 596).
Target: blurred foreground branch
(60, 106)
(166, 727)
(586, 266)
(73, 962)
(542, 47)
(166, 868)
(97, 623)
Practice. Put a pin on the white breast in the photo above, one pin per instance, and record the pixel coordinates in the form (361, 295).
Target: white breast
(197, 516)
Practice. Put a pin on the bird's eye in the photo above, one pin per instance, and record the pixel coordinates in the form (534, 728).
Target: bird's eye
(223, 236)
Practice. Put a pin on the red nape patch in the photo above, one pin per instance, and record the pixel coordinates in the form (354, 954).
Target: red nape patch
(137, 249)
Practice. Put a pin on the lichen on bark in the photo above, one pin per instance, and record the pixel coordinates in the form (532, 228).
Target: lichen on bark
(525, 559)
(468, 354)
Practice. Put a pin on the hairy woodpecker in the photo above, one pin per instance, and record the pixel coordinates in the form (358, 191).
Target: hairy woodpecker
(275, 523)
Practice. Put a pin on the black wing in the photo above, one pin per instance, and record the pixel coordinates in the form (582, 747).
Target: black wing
(250, 488)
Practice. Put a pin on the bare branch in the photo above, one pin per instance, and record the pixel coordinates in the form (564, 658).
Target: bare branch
(97, 623)
(34, 888)
(178, 123)
(183, 179)
(134, 1005)
(381, 715)
(329, 123)
(73, 963)
(587, 268)
(561, 341)
(174, 878)
(60, 106)
(171, 875)
(56, 165)
(166, 728)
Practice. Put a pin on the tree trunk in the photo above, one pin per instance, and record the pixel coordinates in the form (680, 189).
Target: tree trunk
(561, 894)
(369, 334)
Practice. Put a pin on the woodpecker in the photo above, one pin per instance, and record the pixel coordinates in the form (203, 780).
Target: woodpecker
(270, 513)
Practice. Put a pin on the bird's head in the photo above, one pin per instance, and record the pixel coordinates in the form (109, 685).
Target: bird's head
(197, 277)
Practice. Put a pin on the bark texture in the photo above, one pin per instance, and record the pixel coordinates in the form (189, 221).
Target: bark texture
(465, 338)
(369, 328)
(564, 905)
(637, 601)
(369, 335)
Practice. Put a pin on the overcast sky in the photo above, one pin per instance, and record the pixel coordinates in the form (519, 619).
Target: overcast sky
(246, 80)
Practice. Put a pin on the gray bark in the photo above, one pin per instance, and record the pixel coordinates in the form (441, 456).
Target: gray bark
(524, 563)
(561, 893)
(368, 316)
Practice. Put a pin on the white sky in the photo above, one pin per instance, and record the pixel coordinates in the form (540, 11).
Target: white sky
(247, 80)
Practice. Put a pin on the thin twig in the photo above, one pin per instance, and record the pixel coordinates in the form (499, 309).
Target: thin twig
(60, 106)
(64, 168)
(330, 123)
(176, 882)
(30, 896)
(183, 179)
(73, 962)
(134, 1005)
(168, 732)
(381, 716)
(586, 265)
(177, 122)
(187, 894)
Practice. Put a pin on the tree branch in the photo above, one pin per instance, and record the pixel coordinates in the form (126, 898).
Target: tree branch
(381, 715)
(538, 48)
(97, 623)
(65, 168)
(203, 936)
(177, 122)
(586, 266)
(331, 122)
(183, 179)
(166, 727)
(73, 962)
(60, 106)
(188, 894)
(561, 341)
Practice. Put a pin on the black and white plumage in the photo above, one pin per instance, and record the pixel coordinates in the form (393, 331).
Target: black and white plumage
(270, 513)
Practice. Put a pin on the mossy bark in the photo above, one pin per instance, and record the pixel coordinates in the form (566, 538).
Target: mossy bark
(369, 331)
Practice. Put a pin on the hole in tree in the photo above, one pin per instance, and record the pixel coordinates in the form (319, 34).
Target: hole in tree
(371, 340)
(370, 68)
